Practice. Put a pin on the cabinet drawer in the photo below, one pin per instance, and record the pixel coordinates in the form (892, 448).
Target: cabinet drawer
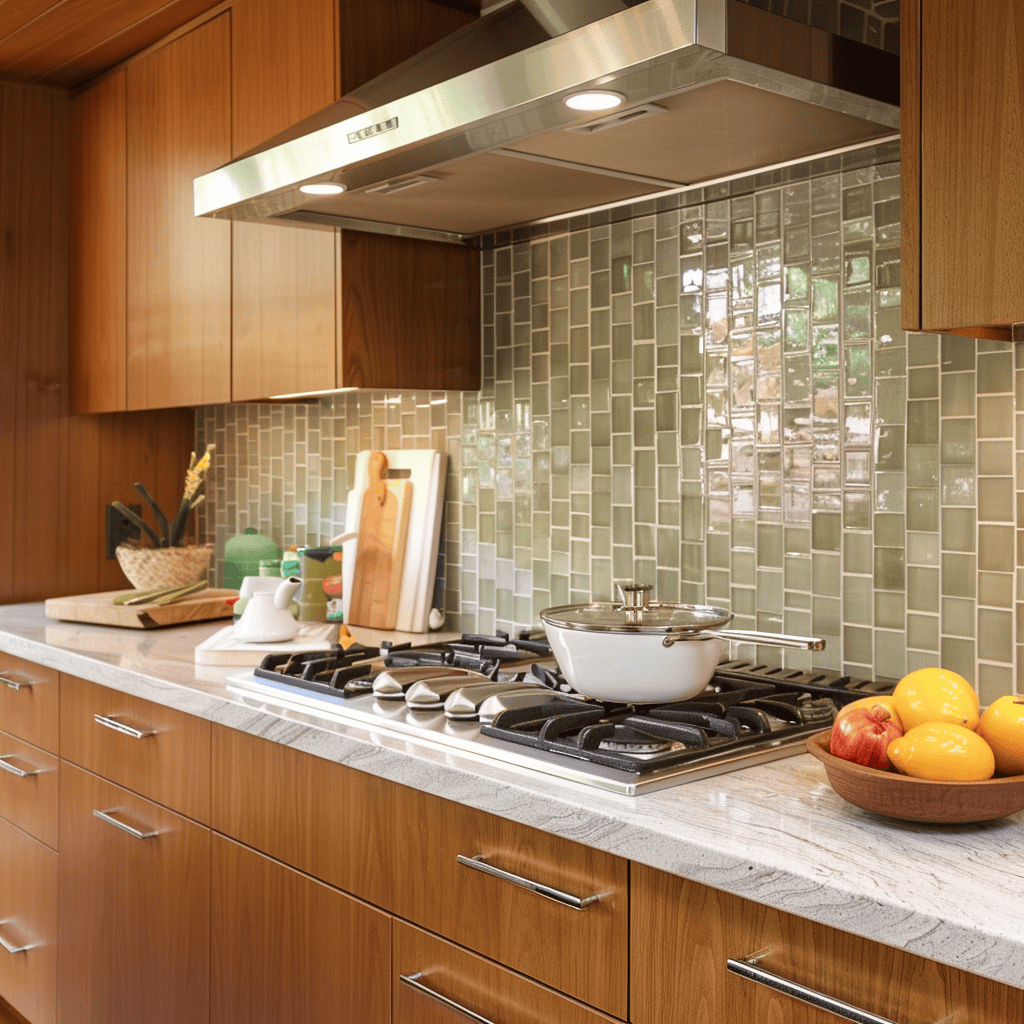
(320, 955)
(158, 752)
(582, 952)
(320, 817)
(29, 783)
(425, 962)
(28, 701)
(705, 927)
(28, 925)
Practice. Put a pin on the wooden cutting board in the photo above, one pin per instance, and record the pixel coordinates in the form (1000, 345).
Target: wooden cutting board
(380, 550)
(100, 609)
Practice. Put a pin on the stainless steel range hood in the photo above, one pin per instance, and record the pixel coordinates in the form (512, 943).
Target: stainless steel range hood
(473, 135)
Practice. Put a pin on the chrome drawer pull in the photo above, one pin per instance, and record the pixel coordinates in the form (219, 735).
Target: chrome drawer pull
(16, 681)
(108, 817)
(413, 981)
(566, 899)
(11, 948)
(112, 723)
(14, 770)
(747, 968)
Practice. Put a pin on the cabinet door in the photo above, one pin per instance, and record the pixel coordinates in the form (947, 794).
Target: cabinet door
(98, 247)
(288, 949)
(28, 789)
(28, 926)
(431, 975)
(704, 928)
(963, 82)
(134, 908)
(284, 67)
(179, 265)
(29, 701)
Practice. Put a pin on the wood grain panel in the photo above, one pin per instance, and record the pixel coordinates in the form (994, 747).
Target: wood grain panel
(98, 247)
(410, 314)
(29, 710)
(318, 954)
(377, 36)
(30, 802)
(284, 66)
(972, 188)
(910, 163)
(179, 280)
(583, 953)
(475, 983)
(135, 913)
(8, 1015)
(28, 910)
(67, 42)
(322, 818)
(172, 766)
(703, 927)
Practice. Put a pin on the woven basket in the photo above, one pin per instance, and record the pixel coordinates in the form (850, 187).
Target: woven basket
(149, 568)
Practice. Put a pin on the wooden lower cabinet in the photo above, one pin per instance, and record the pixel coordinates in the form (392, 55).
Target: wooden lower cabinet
(288, 949)
(28, 925)
(703, 928)
(28, 789)
(427, 968)
(134, 909)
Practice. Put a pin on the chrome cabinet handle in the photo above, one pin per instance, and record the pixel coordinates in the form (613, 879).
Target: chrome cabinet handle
(108, 817)
(6, 765)
(566, 899)
(11, 948)
(413, 981)
(16, 683)
(747, 968)
(112, 723)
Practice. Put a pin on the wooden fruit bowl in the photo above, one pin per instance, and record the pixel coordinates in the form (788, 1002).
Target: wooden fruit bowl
(909, 799)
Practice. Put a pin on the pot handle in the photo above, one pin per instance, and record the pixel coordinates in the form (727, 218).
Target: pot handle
(749, 636)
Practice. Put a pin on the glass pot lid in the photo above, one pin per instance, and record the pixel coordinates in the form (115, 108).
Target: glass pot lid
(635, 614)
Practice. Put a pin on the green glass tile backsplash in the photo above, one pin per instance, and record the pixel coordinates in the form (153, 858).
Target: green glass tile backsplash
(712, 395)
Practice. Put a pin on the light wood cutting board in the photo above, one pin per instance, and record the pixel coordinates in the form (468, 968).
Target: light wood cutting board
(380, 551)
(100, 609)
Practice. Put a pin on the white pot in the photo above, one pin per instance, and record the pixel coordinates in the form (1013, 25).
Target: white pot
(638, 653)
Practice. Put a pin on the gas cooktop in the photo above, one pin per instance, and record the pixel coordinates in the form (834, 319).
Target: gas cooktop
(501, 699)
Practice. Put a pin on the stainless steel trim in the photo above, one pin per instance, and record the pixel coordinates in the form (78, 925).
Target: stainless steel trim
(413, 981)
(109, 722)
(747, 968)
(11, 948)
(478, 863)
(16, 684)
(21, 773)
(108, 817)
(750, 636)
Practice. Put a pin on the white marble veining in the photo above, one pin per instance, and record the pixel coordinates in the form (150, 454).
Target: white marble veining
(773, 833)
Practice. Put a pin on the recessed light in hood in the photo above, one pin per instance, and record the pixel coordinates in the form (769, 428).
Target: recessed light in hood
(594, 99)
(735, 89)
(322, 188)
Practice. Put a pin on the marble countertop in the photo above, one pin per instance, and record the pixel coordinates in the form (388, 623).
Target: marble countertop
(776, 833)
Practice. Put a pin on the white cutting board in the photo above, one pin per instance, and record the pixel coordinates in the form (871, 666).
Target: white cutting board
(223, 648)
(426, 470)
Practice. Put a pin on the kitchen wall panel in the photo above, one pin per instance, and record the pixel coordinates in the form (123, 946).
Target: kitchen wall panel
(875, 22)
(712, 394)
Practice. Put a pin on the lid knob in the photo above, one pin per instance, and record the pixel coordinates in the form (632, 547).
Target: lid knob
(634, 600)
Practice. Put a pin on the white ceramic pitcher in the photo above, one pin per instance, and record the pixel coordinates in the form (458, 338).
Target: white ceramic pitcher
(267, 618)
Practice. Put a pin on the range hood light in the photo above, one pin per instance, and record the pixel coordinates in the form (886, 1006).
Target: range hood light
(322, 188)
(595, 99)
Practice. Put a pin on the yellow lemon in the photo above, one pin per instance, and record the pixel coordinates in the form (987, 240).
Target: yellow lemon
(942, 752)
(935, 695)
(1002, 726)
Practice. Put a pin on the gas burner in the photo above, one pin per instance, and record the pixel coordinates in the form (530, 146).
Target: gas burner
(629, 741)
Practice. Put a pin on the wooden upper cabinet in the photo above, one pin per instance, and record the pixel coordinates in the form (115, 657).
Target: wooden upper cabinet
(98, 254)
(963, 181)
(284, 67)
(179, 276)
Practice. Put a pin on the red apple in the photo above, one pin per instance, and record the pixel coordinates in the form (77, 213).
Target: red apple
(862, 734)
